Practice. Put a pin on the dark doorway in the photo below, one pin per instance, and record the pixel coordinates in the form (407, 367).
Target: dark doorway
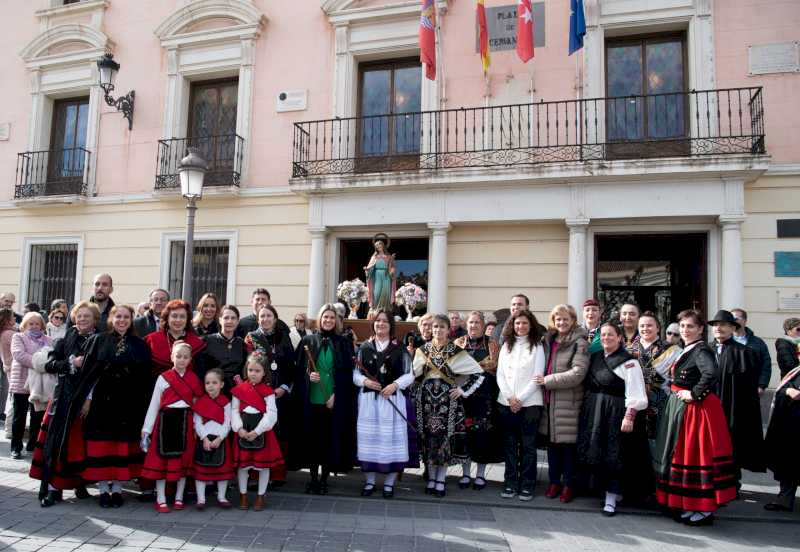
(212, 127)
(663, 273)
(411, 258)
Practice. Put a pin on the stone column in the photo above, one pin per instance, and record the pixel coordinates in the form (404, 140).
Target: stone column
(437, 270)
(576, 269)
(732, 275)
(316, 269)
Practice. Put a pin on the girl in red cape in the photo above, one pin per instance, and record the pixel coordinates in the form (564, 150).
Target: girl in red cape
(213, 457)
(253, 415)
(168, 431)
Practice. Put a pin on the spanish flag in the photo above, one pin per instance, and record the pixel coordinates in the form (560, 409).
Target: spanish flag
(427, 38)
(483, 35)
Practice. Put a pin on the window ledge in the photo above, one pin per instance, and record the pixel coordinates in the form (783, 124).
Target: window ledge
(47, 201)
(211, 191)
(72, 9)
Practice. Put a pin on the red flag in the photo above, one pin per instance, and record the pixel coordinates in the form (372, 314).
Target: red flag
(427, 38)
(483, 35)
(524, 30)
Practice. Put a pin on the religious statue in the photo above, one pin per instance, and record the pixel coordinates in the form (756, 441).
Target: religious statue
(381, 275)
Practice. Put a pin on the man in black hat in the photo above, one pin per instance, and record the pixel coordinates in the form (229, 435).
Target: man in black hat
(738, 391)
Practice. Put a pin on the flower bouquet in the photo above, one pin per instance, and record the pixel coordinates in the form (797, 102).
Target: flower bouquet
(410, 296)
(352, 292)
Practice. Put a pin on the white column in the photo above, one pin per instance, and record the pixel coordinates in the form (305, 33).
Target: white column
(316, 269)
(437, 270)
(732, 274)
(576, 269)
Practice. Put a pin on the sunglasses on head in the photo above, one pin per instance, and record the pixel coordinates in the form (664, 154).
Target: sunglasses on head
(673, 333)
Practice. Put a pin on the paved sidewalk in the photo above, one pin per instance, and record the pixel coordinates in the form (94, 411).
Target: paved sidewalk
(465, 521)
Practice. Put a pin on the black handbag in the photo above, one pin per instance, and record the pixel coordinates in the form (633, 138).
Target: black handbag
(172, 432)
(213, 458)
(249, 423)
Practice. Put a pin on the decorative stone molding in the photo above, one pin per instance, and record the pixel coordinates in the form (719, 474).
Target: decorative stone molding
(56, 12)
(196, 53)
(36, 52)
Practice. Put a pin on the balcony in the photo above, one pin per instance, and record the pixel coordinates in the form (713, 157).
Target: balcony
(49, 173)
(695, 124)
(223, 154)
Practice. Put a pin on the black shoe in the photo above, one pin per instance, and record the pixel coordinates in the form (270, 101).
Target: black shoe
(82, 492)
(105, 500)
(388, 492)
(368, 489)
(49, 500)
(430, 490)
(777, 507)
(441, 493)
(707, 520)
(16, 454)
(323, 488)
(30, 446)
(479, 484)
(116, 500)
(465, 482)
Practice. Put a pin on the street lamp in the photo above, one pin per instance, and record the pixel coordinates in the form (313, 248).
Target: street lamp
(108, 72)
(192, 171)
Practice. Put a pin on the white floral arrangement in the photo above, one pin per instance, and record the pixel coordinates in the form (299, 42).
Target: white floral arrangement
(352, 292)
(411, 296)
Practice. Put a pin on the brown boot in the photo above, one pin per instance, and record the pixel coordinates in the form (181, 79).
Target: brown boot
(258, 505)
(243, 504)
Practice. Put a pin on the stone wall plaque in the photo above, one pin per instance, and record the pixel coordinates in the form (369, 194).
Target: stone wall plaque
(779, 57)
(501, 22)
(788, 301)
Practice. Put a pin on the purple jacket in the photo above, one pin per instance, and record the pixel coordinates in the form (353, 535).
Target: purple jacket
(23, 345)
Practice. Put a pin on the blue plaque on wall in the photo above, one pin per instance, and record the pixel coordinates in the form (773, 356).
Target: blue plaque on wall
(787, 264)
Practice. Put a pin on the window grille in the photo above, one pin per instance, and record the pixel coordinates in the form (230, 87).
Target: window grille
(52, 273)
(210, 269)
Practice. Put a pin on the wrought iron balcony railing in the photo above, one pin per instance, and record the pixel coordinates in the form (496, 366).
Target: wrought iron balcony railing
(680, 124)
(52, 172)
(223, 154)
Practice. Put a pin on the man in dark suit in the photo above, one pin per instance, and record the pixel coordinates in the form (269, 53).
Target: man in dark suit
(249, 323)
(103, 288)
(151, 320)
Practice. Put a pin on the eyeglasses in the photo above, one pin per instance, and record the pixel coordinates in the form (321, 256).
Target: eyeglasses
(673, 333)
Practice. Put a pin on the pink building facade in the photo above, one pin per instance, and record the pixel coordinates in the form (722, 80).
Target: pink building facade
(656, 164)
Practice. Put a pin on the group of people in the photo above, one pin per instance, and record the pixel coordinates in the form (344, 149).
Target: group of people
(179, 396)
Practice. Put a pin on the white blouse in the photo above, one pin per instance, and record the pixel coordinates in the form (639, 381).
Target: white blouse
(268, 420)
(212, 427)
(515, 372)
(155, 405)
(635, 393)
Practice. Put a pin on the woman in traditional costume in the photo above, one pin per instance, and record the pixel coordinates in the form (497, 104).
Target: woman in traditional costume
(113, 393)
(254, 415)
(381, 278)
(483, 438)
(59, 447)
(213, 457)
(278, 350)
(566, 363)
(326, 436)
(176, 325)
(615, 393)
(168, 431)
(441, 421)
(693, 456)
(783, 441)
(383, 371)
(206, 321)
(224, 350)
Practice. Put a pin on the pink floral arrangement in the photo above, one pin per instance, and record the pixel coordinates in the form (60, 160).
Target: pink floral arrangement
(411, 296)
(352, 292)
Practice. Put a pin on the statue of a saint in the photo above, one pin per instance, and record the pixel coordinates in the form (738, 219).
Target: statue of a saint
(380, 273)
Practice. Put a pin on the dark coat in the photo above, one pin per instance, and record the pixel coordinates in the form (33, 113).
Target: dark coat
(145, 325)
(249, 324)
(228, 356)
(786, 355)
(783, 434)
(211, 329)
(738, 390)
(762, 360)
(697, 371)
(342, 452)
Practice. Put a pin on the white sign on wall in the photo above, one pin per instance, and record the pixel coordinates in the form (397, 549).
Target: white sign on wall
(291, 100)
(779, 57)
(788, 301)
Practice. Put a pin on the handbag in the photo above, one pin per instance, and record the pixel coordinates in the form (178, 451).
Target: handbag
(213, 458)
(249, 423)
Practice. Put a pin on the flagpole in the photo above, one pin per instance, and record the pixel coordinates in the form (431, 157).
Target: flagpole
(440, 61)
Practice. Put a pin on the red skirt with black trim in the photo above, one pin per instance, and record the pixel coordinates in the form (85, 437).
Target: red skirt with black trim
(702, 476)
(171, 468)
(222, 473)
(268, 456)
(112, 460)
(61, 477)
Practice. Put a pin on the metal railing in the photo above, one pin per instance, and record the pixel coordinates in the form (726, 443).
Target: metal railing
(679, 124)
(223, 153)
(52, 172)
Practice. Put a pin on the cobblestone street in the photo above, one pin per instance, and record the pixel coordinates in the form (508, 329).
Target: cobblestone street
(465, 521)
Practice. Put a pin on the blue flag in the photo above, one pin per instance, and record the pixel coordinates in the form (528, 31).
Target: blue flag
(577, 26)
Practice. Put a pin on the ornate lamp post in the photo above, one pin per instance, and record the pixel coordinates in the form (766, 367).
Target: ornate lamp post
(192, 171)
(108, 71)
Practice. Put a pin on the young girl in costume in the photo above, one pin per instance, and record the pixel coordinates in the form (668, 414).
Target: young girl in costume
(213, 458)
(168, 432)
(253, 415)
